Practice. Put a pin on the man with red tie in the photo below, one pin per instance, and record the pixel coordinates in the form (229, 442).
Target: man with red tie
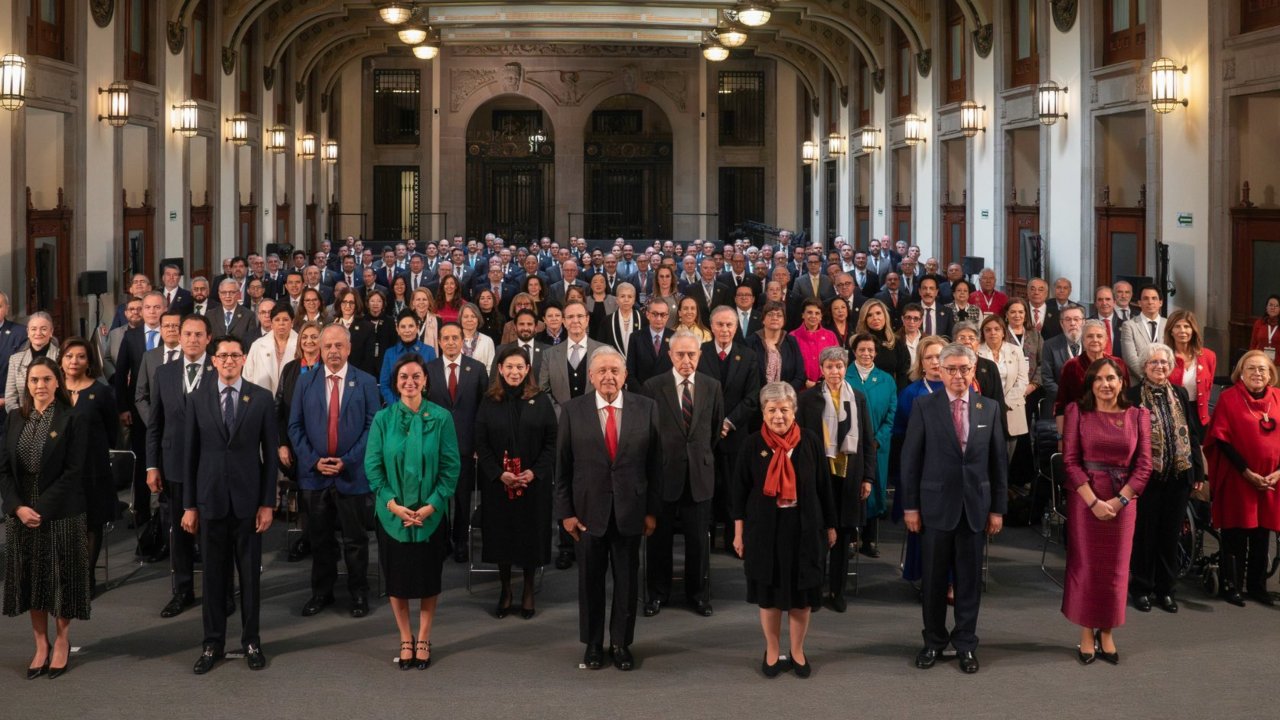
(457, 383)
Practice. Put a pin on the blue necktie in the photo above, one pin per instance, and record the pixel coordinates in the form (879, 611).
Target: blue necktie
(228, 408)
(151, 339)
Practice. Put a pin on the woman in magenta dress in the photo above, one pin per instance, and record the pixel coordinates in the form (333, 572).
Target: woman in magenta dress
(812, 338)
(1108, 462)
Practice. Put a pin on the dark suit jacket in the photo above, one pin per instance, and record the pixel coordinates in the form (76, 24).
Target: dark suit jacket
(473, 380)
(611, 333)
(535, 361)
(862, 464)
(739, 378)
(871, 283)
(594, 489)
(230, 473)
(749, 279)
(688, 458)
(242, 322)
(12, 336)
(166, 430)
(309, 428)
(385, 279)
(792, 361)
(642, 363)
(943, 320)
(944, 483)
(1116, 345)
(61, 485)
(1053, 356)
(1052, 325)
(558, 290)
(182, 301)
(895, 309)
(720, 295)
(133, 345)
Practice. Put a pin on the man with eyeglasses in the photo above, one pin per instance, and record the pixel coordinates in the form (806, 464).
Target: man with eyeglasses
(229, 491)
(231, 318)
(648, 351)
(964, 498)
(133, 346)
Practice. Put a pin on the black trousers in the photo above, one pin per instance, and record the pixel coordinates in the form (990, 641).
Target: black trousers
(141, 492)
(943, 550)
(1153, 566)
(597, 556)
(221, 540)
(1244, 557)
(725, 467)
(693, 519)
(838, 560)
(329, 512)
(462, 502)
(182, 544)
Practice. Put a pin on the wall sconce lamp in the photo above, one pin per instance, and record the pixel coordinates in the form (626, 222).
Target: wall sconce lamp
(913, 130)
(971, 118)
(1051, 102)
(277, 137)
(836, 145)
(1165, 77)
(330, 151)
(239, 126)
(186, 118)
(13, 81)
(307, 146)
(809, 152)
(117, 103)
(870, 138)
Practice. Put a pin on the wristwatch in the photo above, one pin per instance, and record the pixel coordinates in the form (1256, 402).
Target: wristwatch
(1124, 501)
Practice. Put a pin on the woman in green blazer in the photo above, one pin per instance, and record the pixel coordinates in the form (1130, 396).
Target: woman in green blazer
(412, 463)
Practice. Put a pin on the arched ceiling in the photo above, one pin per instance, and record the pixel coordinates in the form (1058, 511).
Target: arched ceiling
(808, 35)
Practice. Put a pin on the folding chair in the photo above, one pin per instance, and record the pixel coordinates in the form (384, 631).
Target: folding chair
(1055, 516)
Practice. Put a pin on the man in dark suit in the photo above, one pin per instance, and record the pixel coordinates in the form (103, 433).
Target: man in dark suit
(231, 318)
(457, 383)
(643, 279)
(351, 273)
(1057, 351)
(329, 423)
(526, 322)
(419, 276)
(1104, 309)
(867, 280)
(953, 494)
(569, 271)
(12, 336)
(229, 492)
(387, 271)
(166, 453)
(935, 319)
(690, 407)
(847, 291)
(738, 275)
(135, 343)
(167, 351)
(177, 297)
(728, 359)
(708, 293)
(1042, 314)
(813, 281)
(606, 496)
(893, 297)
(648, 350)
(750, 319)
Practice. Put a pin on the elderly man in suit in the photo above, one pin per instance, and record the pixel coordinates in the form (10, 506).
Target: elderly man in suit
(1056, 352)
(750, 319)
(457, 383)
(1104, 309)
(135, 343)
(1143, 329)
(177, 297)
(329, 421)
(229, 493)
(1042, 314)
(954, 494)
(526, 323)
(166, 451)
(707, 292)
(569, 277)
(690, 407)
(607, 495)
(231, 317)
(893, 297)
(648, 349)
(934, 319)
(110, 343)
(727, 358)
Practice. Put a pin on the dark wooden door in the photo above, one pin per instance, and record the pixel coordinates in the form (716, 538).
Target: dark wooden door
(1255, 257)
(139, 239)
(48, 268)
(1122, 244)
(395, 202)
(741, 197)
(247, 229)
(954, 243)
(284, 231)
(901, 228)
(615, 203)
(202, 241)
(1021, 247)
(862, 226)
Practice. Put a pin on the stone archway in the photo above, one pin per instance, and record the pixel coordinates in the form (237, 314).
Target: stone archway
(627, 178)
(510, 168)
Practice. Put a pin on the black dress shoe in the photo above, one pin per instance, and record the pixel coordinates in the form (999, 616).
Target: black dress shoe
(653, 607)
(1167, 603)
(1142, 603)
(359, 606)
(802, 671)
(837, 602)
(1084, 657)
(35, 672)
(870, 550)
(253, 654)
(1108, 657)
(504, 605)
(177, 604)
(774, 670)
(622, 657)
(207, 660)
(593, 658)
(926, 658)
(402, 663)
(1233, 596)
(703, 608)
(1262, 597)
(968, 661)
(159, 555)
(564, 560)
(459, 553)
(316, 604)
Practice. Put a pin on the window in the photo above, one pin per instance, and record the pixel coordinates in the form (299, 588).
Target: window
(245, 75)
(137, 40)
(395, 107)
(867, 93)
(1025, 60)
(903, 50)
(956, 52)
(617, 122)
(1258, 14)
(46, 28)
(1124, 31)
(741, 103)
(201, 87)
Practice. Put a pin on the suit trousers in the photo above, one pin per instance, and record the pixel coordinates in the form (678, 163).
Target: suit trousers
(329, 511)
(838, 555)
(943, 550)
(182, 544)
(220, 541)
(597, 556)
(725, 472)
(141, 492)
(1153, 567)
(694, 519)
(462, 502)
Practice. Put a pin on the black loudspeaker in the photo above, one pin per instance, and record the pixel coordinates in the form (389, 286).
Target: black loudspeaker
(180, 263)
(973, 265)
(92, 282)
(283, 251)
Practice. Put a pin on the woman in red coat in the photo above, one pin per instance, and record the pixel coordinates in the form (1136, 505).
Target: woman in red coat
(1243, 449)
(1266, 329)
(1108, 463)
(1194, 364)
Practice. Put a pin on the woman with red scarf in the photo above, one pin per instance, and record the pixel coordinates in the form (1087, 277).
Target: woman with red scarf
(1242, 446)
(784, 522)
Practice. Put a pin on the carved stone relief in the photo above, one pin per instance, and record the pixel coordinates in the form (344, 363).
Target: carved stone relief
(299, 91)
(983, 39)
(569, 87)
(176, 35)
(673, 83)
(924, 62)
(1064, 14)
(228, 60)
(877, 80)
(463, 83)
(268, 78)
(102, 10)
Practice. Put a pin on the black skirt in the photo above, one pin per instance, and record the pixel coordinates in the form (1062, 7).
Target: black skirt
(783, 591)
(413, 569)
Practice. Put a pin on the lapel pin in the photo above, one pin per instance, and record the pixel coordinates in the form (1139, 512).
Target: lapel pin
(53, 434)
(246, 398)
(764, 453)
(978, 405)
(737, 357)
(92, 396)
(530, 402)
(466, 369)
(351, 383)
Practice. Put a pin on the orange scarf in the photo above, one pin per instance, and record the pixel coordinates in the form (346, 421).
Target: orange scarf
(780, 480)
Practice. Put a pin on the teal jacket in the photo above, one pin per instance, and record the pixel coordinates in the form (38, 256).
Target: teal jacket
(412, 458)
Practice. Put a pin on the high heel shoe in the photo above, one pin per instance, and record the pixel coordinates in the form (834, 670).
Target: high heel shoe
(527, 613)
(1108, 657)
(402, 662)
(35, 672)
(55, 672)
(1086, 658)
(504, 604)
(423, 664)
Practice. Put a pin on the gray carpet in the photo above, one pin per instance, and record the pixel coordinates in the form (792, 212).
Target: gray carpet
(1210, 658)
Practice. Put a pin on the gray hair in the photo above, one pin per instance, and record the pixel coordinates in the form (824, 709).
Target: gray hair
(473, 308)
(203, 279)
(685, 334)
(623, 286)
(40, 315)
(232, 282)
(1158, 348)
(835, 352)
(603, 352)
(957, 350)
(722, 309)
(966, 325)
(777, 392)
(336, 327)
(1094, 323)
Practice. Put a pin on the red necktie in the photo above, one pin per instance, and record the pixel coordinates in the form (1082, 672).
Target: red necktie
(957, 417)
(334, 403)
(722, 355)
(1107, 322)
(610, 433)
(453, 382)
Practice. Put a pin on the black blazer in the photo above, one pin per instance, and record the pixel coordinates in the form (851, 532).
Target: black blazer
(739, 379)
(166, 450)
(759, 513)
(368, 336)
(720, 295)
(97, 403)
(943, 320)
(62, 466)
(862, 464)
(688, 457)
(1052, 325)
(182, 301)
(642, 363)
(473, 380)
(533, 440)
(128, 362)
(987, 373)
(230, 472)
(611, 332)
(594, 489)
(792, 361)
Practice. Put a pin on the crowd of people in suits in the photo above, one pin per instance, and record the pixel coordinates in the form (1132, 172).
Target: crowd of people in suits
(586, 399)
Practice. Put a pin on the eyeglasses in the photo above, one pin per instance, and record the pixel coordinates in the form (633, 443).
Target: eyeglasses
(954, 370)
(1158, 363)
(224, 357)
(1256, 370)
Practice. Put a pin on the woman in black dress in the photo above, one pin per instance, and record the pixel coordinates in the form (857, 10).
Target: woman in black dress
(42, 484)
(374, 334)
(492, 319)
(515, 423)
(892, 356)
(96, 401)
(784, 522)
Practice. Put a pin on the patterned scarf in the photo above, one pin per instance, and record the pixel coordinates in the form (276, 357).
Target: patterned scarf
(780, 479)
(1168, 424)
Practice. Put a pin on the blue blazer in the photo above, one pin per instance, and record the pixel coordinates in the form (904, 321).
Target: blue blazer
(386, 383)
(230, 473)
(309, 428)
